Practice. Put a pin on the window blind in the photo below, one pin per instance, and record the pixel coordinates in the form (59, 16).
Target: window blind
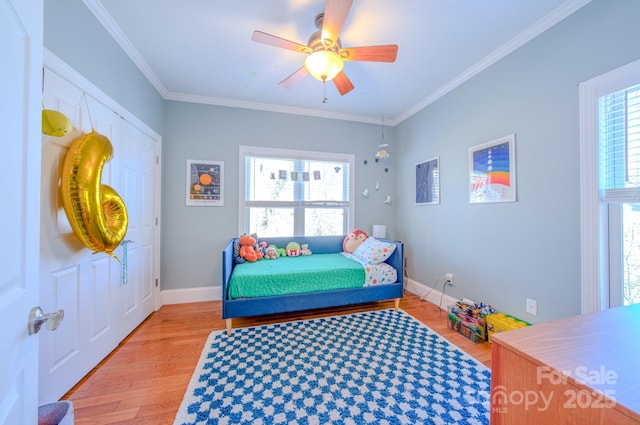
(619, 134)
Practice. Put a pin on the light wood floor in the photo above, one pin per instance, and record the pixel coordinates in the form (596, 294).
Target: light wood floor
(144, 379)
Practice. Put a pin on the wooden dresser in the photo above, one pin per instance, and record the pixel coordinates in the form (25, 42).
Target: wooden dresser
(580, 370)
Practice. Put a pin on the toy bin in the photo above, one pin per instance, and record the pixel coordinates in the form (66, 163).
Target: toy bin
(500, 322)
(472, 326)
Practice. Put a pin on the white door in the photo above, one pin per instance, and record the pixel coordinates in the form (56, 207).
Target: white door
(103, 299)
(20, 89)
(139, 185)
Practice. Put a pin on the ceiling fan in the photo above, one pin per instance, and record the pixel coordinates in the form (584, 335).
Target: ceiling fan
(325, 54)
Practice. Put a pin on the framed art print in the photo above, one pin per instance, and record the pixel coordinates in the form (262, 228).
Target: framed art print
(492, 171)
(205, 183)
(428, 181)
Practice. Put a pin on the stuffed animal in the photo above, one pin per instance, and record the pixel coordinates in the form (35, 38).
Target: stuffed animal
(282, 252)
(248, 248)
(353, 240)
(261, 248)
(271, 252)
(293, 249)
(236, 252)
(304, 250)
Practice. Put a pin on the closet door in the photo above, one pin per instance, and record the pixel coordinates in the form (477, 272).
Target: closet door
(103, 299)
(139, 191)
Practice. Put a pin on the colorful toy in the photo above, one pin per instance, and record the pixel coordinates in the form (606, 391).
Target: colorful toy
(304, 250)
(271, 253)
(248, 248)
(293, 249)
(261, 248)
(282, 252)
(236, 252)
(353, 240)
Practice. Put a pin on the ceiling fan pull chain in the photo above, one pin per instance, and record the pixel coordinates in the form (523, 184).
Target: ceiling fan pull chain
(324, 90)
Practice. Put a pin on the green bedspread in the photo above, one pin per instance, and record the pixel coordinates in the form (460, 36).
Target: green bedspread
(292, 275)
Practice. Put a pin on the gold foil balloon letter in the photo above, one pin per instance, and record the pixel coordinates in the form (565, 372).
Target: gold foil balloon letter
(97, 214)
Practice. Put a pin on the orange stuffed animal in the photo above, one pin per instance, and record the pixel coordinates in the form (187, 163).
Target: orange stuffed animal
(247, 248)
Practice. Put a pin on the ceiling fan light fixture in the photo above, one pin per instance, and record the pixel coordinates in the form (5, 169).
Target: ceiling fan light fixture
(324, 65)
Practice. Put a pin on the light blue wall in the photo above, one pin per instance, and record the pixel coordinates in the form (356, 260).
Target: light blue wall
(193, 237)
(503, 253)
(499, 253)
(74, 34)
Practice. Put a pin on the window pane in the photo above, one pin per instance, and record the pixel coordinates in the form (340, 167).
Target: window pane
(631, 250)
(328, 181)
(324, 221)
(271, 222)
(269, 179)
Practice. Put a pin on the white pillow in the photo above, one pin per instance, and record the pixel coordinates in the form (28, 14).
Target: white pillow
(374, 251)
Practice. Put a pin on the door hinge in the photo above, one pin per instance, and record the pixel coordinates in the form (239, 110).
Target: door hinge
(156, 221)
(156, 282)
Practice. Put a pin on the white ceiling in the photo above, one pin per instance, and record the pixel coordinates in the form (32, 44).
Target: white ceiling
(201, 50)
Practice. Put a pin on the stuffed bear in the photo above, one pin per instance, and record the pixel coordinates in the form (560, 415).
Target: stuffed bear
(248, 248)
(304, 249)
(353, 240)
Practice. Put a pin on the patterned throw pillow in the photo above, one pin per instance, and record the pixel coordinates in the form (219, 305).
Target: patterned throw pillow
(374, 251)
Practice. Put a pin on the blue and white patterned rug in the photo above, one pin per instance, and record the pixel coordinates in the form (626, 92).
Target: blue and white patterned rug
(378, 367)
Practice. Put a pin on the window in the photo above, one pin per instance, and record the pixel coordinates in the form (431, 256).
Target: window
(619, 142)
(610, 188)
(295, 193)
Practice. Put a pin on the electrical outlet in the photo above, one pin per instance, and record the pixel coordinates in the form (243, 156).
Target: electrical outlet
(532, 306)
(448, 279)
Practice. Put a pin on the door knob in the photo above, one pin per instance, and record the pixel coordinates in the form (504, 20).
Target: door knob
(37, 318)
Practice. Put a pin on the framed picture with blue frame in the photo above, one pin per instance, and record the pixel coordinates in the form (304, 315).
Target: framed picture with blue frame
(492, 171)
(428, 181)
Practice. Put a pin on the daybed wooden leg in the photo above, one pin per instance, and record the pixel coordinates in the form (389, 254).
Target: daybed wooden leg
(229, 327)
(397, 303)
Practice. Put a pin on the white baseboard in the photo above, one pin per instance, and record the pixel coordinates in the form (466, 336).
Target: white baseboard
(432, 295)
(191, 295)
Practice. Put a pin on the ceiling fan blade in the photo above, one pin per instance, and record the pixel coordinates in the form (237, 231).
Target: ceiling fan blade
(335, 13)
(272, 40)
(343, 84)
(385, 53)
(294, 78)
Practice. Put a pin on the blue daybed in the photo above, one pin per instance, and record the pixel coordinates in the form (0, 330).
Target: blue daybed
(245, 307)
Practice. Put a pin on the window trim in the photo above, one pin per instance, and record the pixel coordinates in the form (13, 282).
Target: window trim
(593, 214)
(244, 151)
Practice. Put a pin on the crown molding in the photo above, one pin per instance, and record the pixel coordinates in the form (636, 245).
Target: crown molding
(269, 107)
(98, 10)
(560, 13)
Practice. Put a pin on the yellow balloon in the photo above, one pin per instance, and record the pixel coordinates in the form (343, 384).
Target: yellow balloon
(97, 214)
(55, 123)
